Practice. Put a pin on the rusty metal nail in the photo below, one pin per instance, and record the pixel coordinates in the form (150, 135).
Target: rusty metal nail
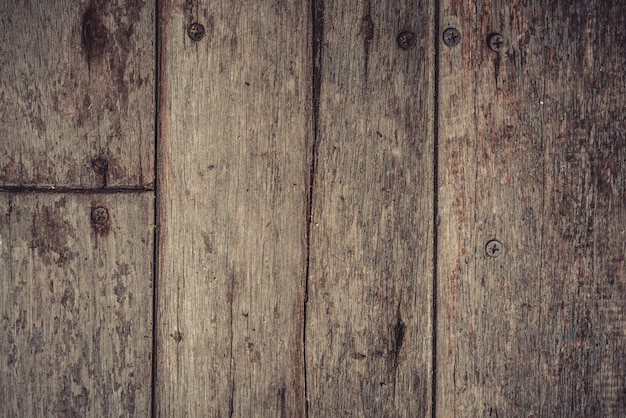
(407, 40)
(195, 31)
(495, 41)
(494, 248)
(100, 165)
(451, 36)
(100, 215)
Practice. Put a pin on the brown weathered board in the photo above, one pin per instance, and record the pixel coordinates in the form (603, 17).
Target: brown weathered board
(533, 154)
(369, 310)
(326, 200)
(75, 305)
(583, 304)
(76, 88)
(235, 123)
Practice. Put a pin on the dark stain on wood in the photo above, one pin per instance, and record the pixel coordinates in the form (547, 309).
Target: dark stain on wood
(70, 404)
(399, 331)
(281, 401)
(108, 50)
(100, 167)
(128, 398)
(35, 341)
(68, 298)
(367, 33)
(120, 290)
(255, 354)
(50, 235)
(94, 34)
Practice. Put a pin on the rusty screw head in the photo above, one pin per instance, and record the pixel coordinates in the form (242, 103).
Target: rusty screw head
(451, 36)
(100, 215)
(195, 31)
(495, 41)
(494, 248)
(407, 40)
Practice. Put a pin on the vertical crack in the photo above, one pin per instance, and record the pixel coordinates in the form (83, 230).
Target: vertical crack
(317, 16)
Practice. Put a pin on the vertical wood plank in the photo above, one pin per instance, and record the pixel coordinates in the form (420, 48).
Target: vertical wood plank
(369, 316)
(531, 155)
(75, 305)
(235, 124)
(583, 306)
(490, 187)
(77, 85)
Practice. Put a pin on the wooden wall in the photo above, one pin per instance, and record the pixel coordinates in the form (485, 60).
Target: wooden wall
(356, 208)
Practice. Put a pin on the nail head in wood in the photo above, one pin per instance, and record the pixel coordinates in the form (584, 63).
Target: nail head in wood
(495, 41)
(407, 40)
(100, 215)
(494, 248)
(195, 31)
(451, 36)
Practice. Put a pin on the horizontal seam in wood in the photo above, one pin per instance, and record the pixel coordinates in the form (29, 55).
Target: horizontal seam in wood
(58, 190)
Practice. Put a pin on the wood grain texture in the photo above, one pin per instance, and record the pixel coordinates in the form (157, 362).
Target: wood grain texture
(583, 305)
(76, 85)
(233, 165)
(369, 312)
(532, 153)
(75, 305)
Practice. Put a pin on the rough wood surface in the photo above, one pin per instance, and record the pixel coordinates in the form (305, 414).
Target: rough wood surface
(297, 158)
(76, 86)
(369, 312)
(532, 153)
(233, 165)
(75, 305)
(583, 292)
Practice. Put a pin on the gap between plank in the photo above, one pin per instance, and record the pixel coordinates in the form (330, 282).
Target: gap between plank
(73, 190)
(157, 235)
(435, 37)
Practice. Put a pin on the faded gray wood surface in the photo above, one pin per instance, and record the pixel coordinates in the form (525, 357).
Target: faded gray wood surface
(75, 305)
(235, 123)
(369, 316)
(76, 86)
(532, 153)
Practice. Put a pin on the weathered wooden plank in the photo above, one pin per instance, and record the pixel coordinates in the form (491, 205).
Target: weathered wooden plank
(532, 154)
(369, 312)
(77, 87)
(235, 123)
(583, 306)
(490, 187)
(75, 305)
